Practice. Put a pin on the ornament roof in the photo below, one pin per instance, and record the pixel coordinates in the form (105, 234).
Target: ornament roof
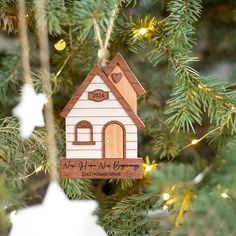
(119, 60)
(96, 70)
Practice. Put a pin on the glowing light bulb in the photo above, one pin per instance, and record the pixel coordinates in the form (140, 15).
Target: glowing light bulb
(166, 196)
(60, 45)
(224, 195)
(142, 31)
(165, 207)
(38, 169)
(148, 168)
(194, 141)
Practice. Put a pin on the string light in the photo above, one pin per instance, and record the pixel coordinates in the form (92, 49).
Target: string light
(60, 45)
(149, 166)
(146, 32)
(143, 31)
(233, 109)
(195, 141)
(166, 196)
(165, 207)
(145, 28)
(227, 104)
(37, 170)
(224, 195)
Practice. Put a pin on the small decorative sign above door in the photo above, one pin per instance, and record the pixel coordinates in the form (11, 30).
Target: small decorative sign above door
(102, 123)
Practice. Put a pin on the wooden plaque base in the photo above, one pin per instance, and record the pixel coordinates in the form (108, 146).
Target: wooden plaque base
(101, 168)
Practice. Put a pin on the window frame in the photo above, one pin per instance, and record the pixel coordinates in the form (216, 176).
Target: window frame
(83, 124)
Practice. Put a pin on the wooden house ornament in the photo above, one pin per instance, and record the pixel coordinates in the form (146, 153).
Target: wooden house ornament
(102, 123)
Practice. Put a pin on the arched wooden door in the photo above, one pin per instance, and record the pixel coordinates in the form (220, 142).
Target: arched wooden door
(114, 140)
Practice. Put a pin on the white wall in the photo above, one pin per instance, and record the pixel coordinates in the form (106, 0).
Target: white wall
(98, 114)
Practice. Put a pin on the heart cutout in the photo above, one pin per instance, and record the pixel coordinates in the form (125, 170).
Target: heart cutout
(116, 77)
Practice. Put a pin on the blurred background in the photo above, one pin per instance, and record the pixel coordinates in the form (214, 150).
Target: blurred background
(73, 52)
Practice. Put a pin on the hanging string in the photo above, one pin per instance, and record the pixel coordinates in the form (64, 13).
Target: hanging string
(103, 52)
(24, 42)
(40, 16)
(98, 34)
(110, 26)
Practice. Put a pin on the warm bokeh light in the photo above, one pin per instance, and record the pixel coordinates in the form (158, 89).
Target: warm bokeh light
(194, 141)
(38, 169)
(149, 166)
(166, 196)
(60, 45)
(143, 31)
(165, 207)
(224, 195)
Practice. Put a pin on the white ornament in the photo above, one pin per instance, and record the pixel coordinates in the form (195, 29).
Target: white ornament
(30, 110)
(57, 216)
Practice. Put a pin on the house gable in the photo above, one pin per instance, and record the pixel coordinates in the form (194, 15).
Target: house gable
(118, 61)
(79, 92)
(124, 87)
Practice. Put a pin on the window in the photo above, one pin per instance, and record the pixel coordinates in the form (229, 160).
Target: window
(83, 133)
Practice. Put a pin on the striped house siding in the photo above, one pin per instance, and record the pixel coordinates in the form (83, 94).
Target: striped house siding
(98, 114)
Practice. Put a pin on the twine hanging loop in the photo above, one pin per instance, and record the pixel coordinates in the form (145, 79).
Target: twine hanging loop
(103, 52)
(103, 55)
